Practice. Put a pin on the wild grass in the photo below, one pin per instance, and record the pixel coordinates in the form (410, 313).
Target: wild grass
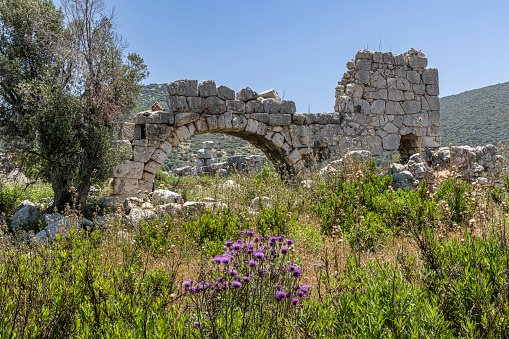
(348, 257)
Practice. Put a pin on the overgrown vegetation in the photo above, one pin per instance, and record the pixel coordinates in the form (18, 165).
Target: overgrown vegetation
(350, 257)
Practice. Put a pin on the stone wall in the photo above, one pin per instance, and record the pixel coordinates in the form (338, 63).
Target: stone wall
(390, 102)
(384, 102)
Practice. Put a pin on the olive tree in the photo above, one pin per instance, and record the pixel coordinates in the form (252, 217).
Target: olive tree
(65, 82)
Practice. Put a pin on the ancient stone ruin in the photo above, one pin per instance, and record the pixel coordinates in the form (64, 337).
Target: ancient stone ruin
(384, 102)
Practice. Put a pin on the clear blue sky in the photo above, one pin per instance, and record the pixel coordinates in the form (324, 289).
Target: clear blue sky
(300, 48)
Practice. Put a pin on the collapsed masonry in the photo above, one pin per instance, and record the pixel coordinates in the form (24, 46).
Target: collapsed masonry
(384, 102)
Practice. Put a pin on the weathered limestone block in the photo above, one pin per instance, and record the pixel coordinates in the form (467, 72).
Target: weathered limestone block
(416, 61)
(225, 93)
(196, 104)
(182, 133)
(177, 103)
(399, 60)
(252, 125)
(354, 90)
(220, 121)
(185, 87)
(364, 54)
(433, 102)
(149, 177)
(278, 139)
(158, 132)
(149, 117)
(419, 89)
(126, 131)
(152, 167)
(201, 124)
(431, 142)
(124, 186)
(288, 107)
(142, 154)
(416, 120)
(185, 118)
(434, 118)
(159, 156)
(430, 76)
(271, 106)
(211, 121)
(166, 147)
(378, 107)
(236, 106)
(280, 119)
(271, 94)
(191, 128)
(246, 94)
(396, 95)
(409, 95)
(239, 122)
(214, 105)
(254, 106)
(413, 76)
(391, 142)
(362, 76)
(411, 107)
(299, 119)
(146, 187)
(262, 117)
(377, 81)
(363, 64)
(204, 154)
(391, 128)
(262, 128)
(207, 88)
(432, 90)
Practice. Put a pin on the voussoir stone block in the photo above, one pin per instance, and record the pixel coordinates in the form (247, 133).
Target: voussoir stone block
(159, 156)
(152, 167)
(183, 87)
(142, 154)
(185, 118)
(157, 132)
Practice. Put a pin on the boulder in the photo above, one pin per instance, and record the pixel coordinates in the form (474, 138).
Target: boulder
(161, 197)
(246, 94)
(137, 215)
(26, 215)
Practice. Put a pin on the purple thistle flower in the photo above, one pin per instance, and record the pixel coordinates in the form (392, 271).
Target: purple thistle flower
(187, 283)
(289, 242)
(197, 324)
(217, 259)
(242, 232)
(295, 301)
(261, 273)
(256, 239)
(292, 268)
(236, 284)
(246, 278)
(228, 244)
(252, 263)
(233, 273)
(236, 246)
(302, 292)
(297, 272)
(250, 233)
(281, 295)
(259, 255)
(280, 238)
(193, 289)
(272, 241)
(284, 250)
(225, 259)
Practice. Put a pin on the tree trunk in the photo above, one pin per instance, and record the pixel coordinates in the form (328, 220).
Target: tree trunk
(62, 193)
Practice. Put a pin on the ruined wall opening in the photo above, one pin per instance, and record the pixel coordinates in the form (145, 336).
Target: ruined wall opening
(408, 146)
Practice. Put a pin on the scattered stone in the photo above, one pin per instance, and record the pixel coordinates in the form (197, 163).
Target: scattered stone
(161, 197)
(27, 214)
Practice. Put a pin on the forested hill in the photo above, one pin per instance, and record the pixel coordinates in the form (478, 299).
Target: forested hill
(476, 117)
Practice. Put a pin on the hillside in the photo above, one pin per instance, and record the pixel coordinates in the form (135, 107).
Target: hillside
(476, 117)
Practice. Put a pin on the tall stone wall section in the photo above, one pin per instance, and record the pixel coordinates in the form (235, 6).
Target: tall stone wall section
(390, 102)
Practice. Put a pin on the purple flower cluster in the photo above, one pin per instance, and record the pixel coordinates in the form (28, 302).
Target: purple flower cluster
(255, 263)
